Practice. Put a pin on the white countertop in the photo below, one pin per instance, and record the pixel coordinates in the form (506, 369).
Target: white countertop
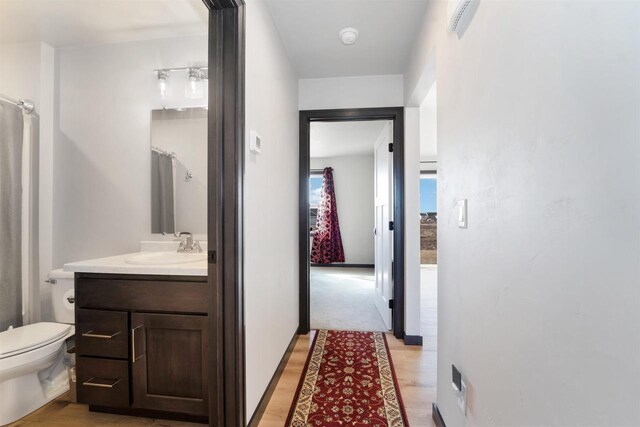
(118, 264)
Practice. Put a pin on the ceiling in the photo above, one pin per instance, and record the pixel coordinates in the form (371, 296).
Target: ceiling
(65, 23)
(336, 139)
(309, 30)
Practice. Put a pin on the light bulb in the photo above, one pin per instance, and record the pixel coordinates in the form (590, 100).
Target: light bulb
(162, 83)
(162, 87)
(195, 86)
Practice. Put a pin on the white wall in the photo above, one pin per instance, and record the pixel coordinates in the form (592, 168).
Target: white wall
(27, 72)
(538, 300)
(270, 203)
(353, 179)
(428, 126)
(412, 221)
(351, 92)
(102, 161)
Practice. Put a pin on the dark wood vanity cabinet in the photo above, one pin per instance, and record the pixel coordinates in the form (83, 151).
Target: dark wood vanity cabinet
(142, 344)
(169, 362)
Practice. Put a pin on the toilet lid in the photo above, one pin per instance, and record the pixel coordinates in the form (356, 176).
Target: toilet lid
(29, 337)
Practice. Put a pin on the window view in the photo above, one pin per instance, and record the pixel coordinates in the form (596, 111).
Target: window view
(428, 219)
(315, 187)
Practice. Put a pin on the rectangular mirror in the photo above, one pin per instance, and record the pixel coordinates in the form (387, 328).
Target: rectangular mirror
(179, 170)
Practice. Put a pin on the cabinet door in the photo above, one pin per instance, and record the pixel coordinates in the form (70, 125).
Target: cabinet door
(169, 362)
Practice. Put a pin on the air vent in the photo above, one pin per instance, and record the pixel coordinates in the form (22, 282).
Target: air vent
(459, 13)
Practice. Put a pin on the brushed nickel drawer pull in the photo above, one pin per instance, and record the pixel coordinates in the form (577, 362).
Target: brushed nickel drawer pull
(92, 334)
(90, 383)
(133, 344)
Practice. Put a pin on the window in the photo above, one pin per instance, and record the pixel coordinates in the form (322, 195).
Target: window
(428, 218)
(315, 188)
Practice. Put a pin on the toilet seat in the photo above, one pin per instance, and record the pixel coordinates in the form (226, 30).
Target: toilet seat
(30, 337)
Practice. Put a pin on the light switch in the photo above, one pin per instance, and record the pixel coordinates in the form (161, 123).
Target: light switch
(255, 142)
(462, 213)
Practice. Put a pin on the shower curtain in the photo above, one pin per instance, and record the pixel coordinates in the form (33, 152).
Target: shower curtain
(327, 241)
(11, 140)
(162, 212)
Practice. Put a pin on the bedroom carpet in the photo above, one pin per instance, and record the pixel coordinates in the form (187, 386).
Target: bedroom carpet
(342, 299)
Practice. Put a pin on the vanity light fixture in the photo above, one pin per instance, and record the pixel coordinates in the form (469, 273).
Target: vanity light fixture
(163, 75)
(195, 86)
(348, 36)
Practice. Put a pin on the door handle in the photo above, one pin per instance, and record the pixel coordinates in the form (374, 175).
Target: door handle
(104, 336)
(133, 344)
(93, 382)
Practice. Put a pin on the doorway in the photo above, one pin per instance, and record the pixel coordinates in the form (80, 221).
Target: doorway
(346, 252)
(386, 237)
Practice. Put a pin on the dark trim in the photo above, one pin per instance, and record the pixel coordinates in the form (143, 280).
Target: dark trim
(223, 4)
(343, 265)
(437, 416)
(139, 277)
(316, 171)
(264, 401)
(304, 318)
(413, 340)
(225, 172)
(395, 114)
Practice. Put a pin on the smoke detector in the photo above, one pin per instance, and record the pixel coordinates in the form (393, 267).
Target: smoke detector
(348, 36)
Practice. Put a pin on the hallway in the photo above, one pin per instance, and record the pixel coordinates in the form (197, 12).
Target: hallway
(415, 366)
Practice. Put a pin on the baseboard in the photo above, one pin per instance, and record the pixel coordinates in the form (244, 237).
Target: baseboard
(264, 401)
(437, 416)
(342, 264)
(413, 340)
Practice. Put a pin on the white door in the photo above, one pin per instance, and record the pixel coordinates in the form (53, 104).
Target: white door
(384, 236)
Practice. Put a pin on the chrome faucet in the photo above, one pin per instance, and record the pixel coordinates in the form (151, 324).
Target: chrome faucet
(188, 245)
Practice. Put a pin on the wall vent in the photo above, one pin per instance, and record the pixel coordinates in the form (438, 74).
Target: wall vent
(459, 13)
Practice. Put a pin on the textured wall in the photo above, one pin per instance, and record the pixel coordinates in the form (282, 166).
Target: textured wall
(538, 107)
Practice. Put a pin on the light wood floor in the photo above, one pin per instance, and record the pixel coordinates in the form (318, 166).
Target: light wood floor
(62, 413)
(415, 368)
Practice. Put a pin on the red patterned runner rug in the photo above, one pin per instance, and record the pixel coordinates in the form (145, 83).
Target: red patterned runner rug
(348, 380)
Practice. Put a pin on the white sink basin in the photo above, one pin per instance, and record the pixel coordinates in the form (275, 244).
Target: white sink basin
(168, 258)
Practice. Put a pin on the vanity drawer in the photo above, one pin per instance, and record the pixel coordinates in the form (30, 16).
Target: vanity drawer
(169, 294)
(102, 333)
(103, 382)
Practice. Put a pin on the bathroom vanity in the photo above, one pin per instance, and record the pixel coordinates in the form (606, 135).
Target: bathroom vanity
(142, 335)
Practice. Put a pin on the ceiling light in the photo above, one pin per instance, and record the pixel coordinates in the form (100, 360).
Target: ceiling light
(348, 36)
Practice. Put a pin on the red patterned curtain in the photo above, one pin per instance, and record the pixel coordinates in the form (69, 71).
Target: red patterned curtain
(327, 241)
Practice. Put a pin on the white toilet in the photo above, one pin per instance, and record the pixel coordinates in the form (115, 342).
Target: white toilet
(32, 369)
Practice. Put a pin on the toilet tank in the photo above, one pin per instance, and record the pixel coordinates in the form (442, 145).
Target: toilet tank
(62, 296)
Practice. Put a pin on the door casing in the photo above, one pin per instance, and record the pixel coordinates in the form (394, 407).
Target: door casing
(396, 115)
(225, 142)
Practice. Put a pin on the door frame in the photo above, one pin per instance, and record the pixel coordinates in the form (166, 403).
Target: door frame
(225, 212)
(396, 115)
